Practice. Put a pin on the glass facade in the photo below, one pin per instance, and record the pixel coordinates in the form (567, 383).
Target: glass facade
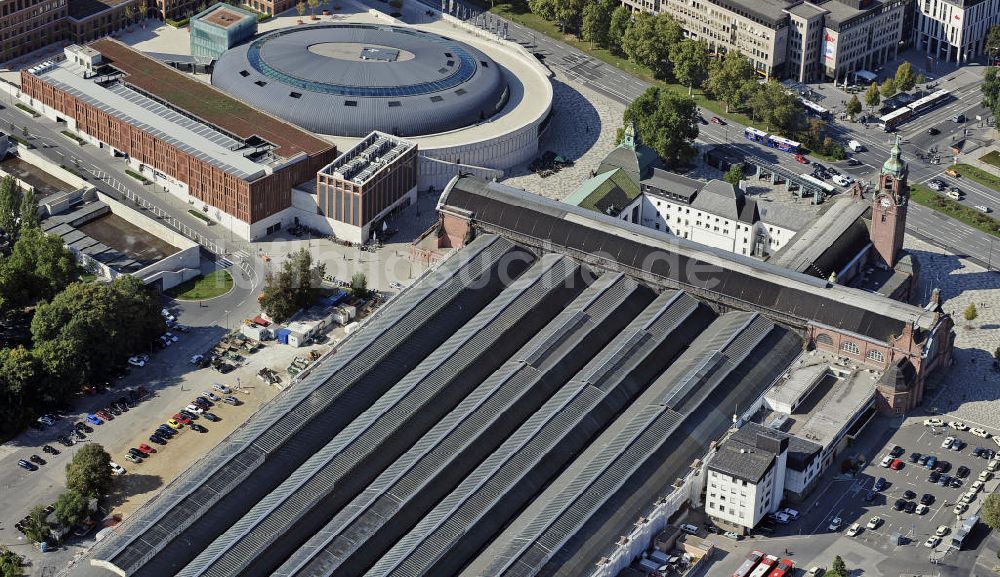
(219, 28)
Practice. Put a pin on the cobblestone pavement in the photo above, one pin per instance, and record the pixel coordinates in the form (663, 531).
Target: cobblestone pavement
(970, 389)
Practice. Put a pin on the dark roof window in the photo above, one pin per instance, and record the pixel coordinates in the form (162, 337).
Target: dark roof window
(484, 63)
(394, 103)
(436, 99)
(260, 83)
(296, 95)
(350, 103)
(460, 91)
(244, 73)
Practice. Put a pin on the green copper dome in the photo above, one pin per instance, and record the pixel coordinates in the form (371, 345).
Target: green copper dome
(895, 166)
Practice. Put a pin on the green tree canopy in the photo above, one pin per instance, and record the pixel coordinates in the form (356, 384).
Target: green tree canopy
(990, 513)
(731, 79)
(71, 507)
(35, 527)
(991, 89)
(993, 40)
(292, 287)
(905, 78)
(566, 12)
(666, 122)
(89, 473)
(734, 175)
(838, 569)
(872, 96)
(649, 40)
(779, 110)
(621, 20)
(29, 211)
(690, 61)
(853, 106)
(18, 371)
(888, 88)
(597, 18)
(971, 312)
(39, 267)
(10, 563)
(10, 205)
(359, 285)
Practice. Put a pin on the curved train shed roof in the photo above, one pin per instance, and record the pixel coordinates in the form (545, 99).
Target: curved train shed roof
(350, 79)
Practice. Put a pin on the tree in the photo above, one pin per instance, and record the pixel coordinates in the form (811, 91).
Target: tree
(993, 40)
(89, 473)
(838, 568)
(566, 12)
(10, 205)
(129, 14)
(734, 175)
(666, 122)
(143, 9)
(872, 97)
(690, 60)
(905, 78)
(731, 79)
(596, 19)
(18, 372)
(649, 40)
(71, 507)
(990, 89)
(853, 106)
(37, 269)
(778, 110)
(10, 563)
(621, 20)
(292, 287)
(996, 354)
(359, 285)
(29, 211)
(920, 78)
(970, 313)
(314, 4)
(301, 9)
(35, 527)
(888, 88)
(990, 514)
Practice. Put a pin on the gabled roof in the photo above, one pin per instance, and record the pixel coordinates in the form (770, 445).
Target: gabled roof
(899, 376)
(720, 198)
(607, 193)
(637, 163)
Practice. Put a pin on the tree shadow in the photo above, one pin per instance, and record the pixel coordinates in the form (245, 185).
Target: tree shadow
(132, 485)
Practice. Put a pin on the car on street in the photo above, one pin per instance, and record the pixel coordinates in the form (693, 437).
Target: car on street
(958, 118)
(896, 464)
(983, 209)
(958, 426)
(801, 159)
(936, 185)
(842, 180)
(932, 541)
(853, 162)
(222, 388)
(875, 522)
(211, 416)
(719, 121)
(835, 524)
(854, 529)
(947, 442)
(732, 535)
(174, 424)
(933, 131)
(27, 465)
(94, 419)
(934, 422)
(117, 469)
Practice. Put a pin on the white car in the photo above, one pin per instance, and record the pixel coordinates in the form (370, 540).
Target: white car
(211, 396)
(854, 529)
(842, 180)
(942, 530)
(835, 524)
(976, 486)
(958, 426)
(932, 542)
(997, 441)
(194, 409)
(922, 509)
(732, 535)
(222, 388)
(782, 518)
(980, 433)
(983, 209)
(947, 442)
(791, 513)
(171, 336)
(117, 469)
(985, 476)
(197, 359)
(887, 460)
(993, 465)
(166, 314)
(875, 522)
(935, 422)
(136, 362)
(960, 508)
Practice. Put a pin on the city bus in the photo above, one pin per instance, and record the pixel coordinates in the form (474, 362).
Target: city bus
(768, 562)
(815, 109)
(783, 144)
(890, 121)
(755, 135)
(929, 102)
(784, 569)
(827, 188)
(751, 561)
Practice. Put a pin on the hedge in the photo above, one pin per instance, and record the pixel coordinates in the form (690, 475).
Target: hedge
(28, 109)
(138, 176)
(69, 134)
(178, 23)
(200, 215)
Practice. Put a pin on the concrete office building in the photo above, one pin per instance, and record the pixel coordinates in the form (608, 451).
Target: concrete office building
(746, 477)
(954, 31)
(219, 28)
(234, 163)
(860, 35)
(27, 25)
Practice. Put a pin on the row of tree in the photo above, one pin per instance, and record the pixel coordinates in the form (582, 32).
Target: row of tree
(292, 287)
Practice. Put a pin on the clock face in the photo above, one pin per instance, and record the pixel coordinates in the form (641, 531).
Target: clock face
(885, 201)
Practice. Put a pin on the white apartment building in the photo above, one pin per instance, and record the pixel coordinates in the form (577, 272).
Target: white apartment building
(746, 480)
(806, 41)
(954, 31)
(714, 213)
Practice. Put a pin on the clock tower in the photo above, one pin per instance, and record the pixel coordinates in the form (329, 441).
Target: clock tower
(889, 204)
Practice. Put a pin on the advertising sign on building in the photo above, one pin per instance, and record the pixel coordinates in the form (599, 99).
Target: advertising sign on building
(829, 49)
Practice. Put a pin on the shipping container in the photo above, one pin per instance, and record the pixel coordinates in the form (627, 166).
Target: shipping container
(282, 336)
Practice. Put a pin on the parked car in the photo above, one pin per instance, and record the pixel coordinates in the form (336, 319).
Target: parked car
(899, 505)
(875, 522)
(158, 439)
(960, 508)
(179, 418)
(886, 461)
(136, 362)
(689, 529)
(896, 464)
(94, 419)
(117, 469)
(174, 424)
(911, 507)
(835, 524)
(958, 426)
(211, 396)
(104, 415)
(942, 530)
(927, 499)
(897, 451)
(908, 494)
(203, 400)
(231, 400)
(211, 416)
(853, 162)
(36, 459)
(955, 483)
(947, 442)
(942, 466)
(146, 448)
(194, 409)
(166, 430)
(188, 414)
(879, 484)
(932, 541)
(945, 480)
(171, 336)
(198, 428)
(197, 359)
(133, 458)
(958, 445)
(931, 462)
(854, 529)
(983, 209)
(27, 465)
(222, 388)
(934, 422)
(933, 477)
(914, 457)
(933, 131)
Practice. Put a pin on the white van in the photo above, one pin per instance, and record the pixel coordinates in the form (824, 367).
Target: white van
(855, 146)
(689, 529)
(953, 195)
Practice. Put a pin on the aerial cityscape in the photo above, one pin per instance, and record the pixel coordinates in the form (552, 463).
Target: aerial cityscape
(519, 288)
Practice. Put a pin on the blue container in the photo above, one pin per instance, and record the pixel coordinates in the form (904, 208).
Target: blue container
(282, 336)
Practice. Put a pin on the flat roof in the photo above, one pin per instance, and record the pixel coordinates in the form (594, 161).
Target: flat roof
(819, 235)
(45, 184)
(365, 159)
(83, 9)
(208, 103)
(224, 16)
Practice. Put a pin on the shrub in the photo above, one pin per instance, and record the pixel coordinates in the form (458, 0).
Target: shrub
(138, 177)
(200, 215)
(28, 109)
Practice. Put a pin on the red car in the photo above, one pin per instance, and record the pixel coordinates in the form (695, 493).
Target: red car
(801, 159)
(182, 419)
(719, 121)
(146, 448)
(896, 465)
(104, 415)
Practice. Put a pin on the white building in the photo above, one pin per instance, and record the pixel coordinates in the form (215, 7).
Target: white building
(714, 213)
(954, 31)
(746, 477)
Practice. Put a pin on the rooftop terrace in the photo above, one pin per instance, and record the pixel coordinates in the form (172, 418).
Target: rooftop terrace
(366, 158)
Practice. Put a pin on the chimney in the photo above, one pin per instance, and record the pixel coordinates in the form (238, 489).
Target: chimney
(935, 302)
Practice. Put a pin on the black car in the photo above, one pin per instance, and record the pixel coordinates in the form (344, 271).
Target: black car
(26, 465)
(914, 457)
(50, 450)
(870, 496)
(198, 428)
(923, 460)
(977, 451)
(65, 441)
(204, 401)
(224, 368)
(911, 506)
(926, 499)
(908, 494)
(933, 131)
(955, 482)
(157, 439)
(958, 445)
(988, 454)
(79, 434)
(188, 414)
(81, 426)
(211, 416)
(37, 459)
(114, 410)
(900, 504)
(897, 451)
(942, 466)
(853, 162)
(934, 476)
(165, 430)
(944, 480)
